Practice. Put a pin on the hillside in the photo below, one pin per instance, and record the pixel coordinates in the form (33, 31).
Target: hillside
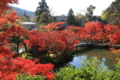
(21, 11)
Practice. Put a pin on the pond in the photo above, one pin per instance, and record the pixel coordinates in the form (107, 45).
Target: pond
(106, 58)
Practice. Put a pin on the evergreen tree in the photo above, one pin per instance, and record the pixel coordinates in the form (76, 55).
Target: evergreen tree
(112, 13)
(41, 8)
(71, 18)
(89, 13)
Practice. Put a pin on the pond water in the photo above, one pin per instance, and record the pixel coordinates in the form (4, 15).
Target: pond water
(106, 58)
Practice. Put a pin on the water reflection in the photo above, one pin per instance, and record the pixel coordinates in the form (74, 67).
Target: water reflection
(106, 58)
(66, 63)
(77, 61)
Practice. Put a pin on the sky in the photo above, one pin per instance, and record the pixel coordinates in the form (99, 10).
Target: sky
(60, 7)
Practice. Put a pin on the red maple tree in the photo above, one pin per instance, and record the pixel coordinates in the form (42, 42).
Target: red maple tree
(9, 67)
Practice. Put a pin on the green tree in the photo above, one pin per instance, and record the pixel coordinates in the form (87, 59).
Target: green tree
(71, 18)
(41, 8)
(104, 15)
(111, 14)
(25, 17)
(80, 19)
(45, 18)
(89, 13)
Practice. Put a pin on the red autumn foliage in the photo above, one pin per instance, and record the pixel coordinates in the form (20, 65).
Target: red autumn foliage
(83, 35)
(52, 41)
(2, 21)
(8, 19)
(115, 38)
(53, 26)
(74, 28)
(9, 67)
(93, 27)
(99, 32)
(15, 31)
(100, 36)
(46, 41)
(70, 39)
(89, 31)
(14, 34)
(4, 3)
(12, 17)
(110, 29)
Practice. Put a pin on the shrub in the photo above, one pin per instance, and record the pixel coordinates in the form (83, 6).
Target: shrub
(90, 70)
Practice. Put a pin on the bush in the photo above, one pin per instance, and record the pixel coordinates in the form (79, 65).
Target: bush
(90, 70)
(28, 77)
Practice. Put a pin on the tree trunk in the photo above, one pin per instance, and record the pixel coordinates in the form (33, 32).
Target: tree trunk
(25, 47)
(17, 48)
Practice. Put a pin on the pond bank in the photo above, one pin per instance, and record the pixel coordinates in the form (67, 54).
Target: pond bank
(106, 58)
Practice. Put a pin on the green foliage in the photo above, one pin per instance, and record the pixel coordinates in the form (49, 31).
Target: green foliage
(111, 14)
(15, 39)
(26, 56)
(28, 77)
(80, 19)
(67, 73)
(43, 7)
(114, 18)
(90, 70)
(45, 18)
(8, 12)
(104, 16)
(71, 18)
(42, 13)
(25, 18)
(42, 30)
(89, 13)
